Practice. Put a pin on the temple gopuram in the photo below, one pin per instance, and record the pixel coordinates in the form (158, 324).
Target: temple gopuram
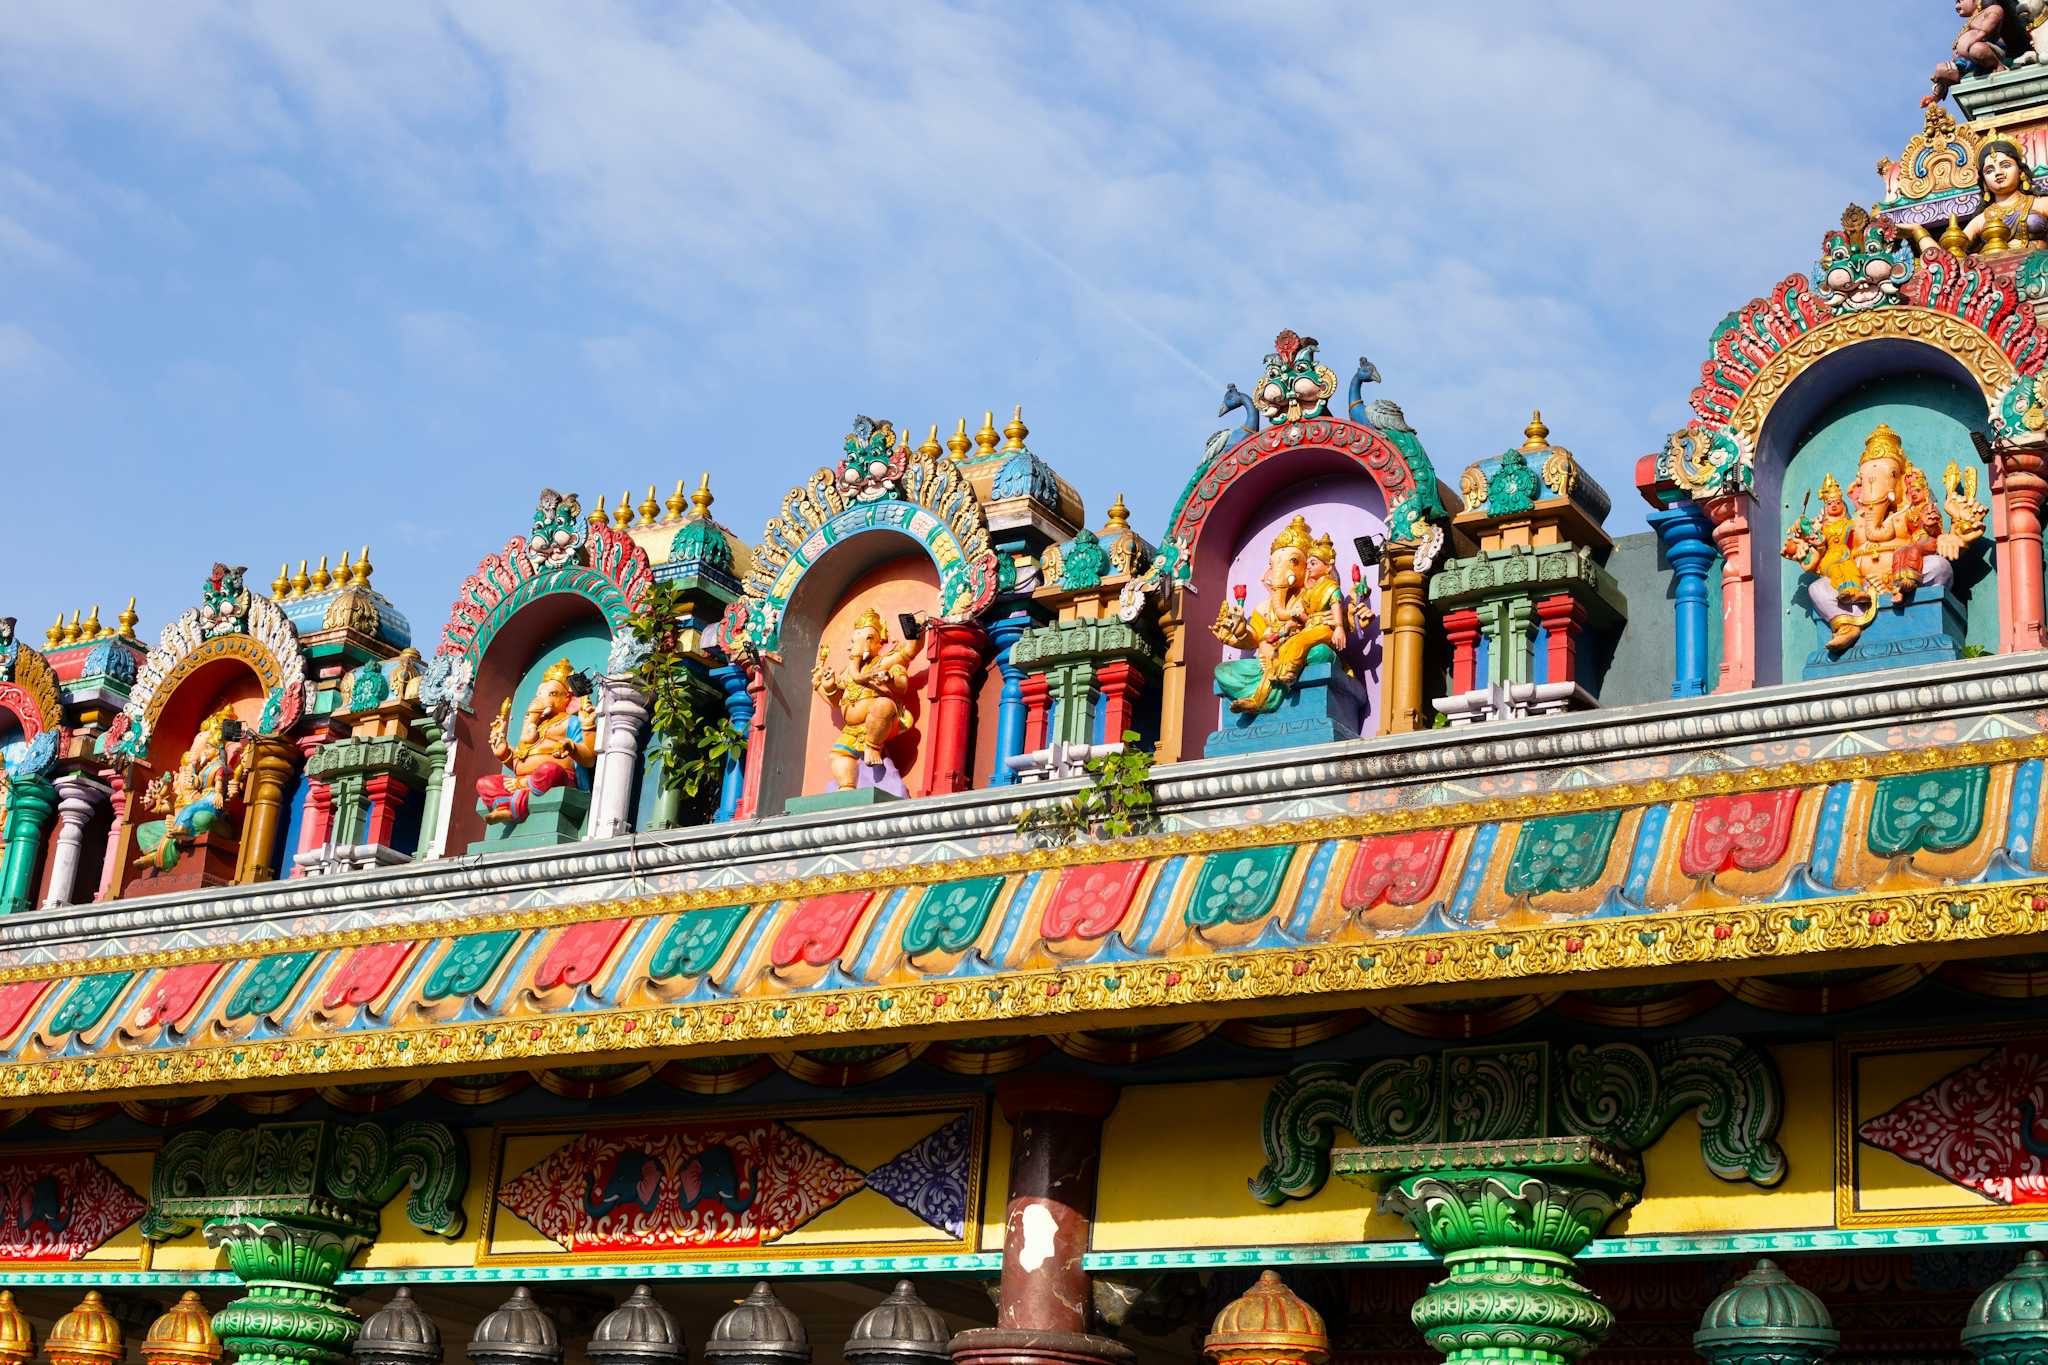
(1375, 913)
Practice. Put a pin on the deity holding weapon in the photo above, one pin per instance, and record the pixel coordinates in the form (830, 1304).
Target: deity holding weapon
(1883, 539)
(557, 744)
(872, 691)
(193, 797)
(1304, 618)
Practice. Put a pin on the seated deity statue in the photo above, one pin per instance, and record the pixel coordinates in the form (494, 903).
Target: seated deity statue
(1304, 619)
(1883, 538)
(872, 691)
(193, 798)
(557, 747)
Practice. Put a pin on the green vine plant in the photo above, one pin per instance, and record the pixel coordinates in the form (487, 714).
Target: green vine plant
(1116, 803)
(692, 733)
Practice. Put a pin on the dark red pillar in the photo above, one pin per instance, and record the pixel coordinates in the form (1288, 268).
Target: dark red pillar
(1045, 1300)
(384, 794)
(1120, 682)
(1037, 690)
(960, 655)
(1564, 618)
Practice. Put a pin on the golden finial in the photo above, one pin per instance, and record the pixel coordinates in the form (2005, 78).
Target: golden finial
(91, 629)
(650, 510)
(1014, 431)
(1996, 236)
(1119, 515)
(363, 569)
(958, 444)
(301, 583)
(622, 515)
(321, 576)
(71, 629)
(931, 449)
(17, 1338)
(1953, 239)
(183, 1336)
(599, 515)
(676, 503)
(281, 586)
(1538, 435)
(700, 501)
(902, 436)
(344, 575)
(128, 618)
(54, 636)
(87, 1335)
(985, 439)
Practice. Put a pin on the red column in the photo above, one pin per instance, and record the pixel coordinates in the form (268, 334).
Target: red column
(1037, 691)
(1461, 628)
(1120, 682)
(319, 802)
(1564, 619)
(385, 794)
(960, 655)
(1738, 592)
(2018, 487)
(117, 829)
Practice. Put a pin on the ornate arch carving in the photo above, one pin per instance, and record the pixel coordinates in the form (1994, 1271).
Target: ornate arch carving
(1394, 459)
(28, 688)
(267, 642)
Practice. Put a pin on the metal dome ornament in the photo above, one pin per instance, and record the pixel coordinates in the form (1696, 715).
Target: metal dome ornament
(1766, 1319)
(399, 1333)
(900, 1330)
(1269, 1323)
(758, 1331)
(2008, 1324)
(183, 1336)
(518, 1333)
(17, 1338)
(638, 1332)
(87, 1335)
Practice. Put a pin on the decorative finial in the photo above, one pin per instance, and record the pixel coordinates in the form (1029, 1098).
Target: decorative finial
(931, 449)
(54, 636)
(363, 569)
(700, 501)
(1014, 431)
(1119, 515)
(1954, 240)
(985, 439)
(958, 444)
(650, 510)
(599, 515)
(622, 515)
(281, 586)
(128, 618)
(91, 629)
(1538, 435)
(321, 576)
(301, 581)
(344, 575)
(71, 629)
(676, 503)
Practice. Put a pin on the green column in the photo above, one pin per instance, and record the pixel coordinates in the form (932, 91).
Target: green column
(1507, 1218)
(290, 1204)
(1073, 692)
(1765, 1319)
(2008, 1325)
(437, 774)
(31, 801)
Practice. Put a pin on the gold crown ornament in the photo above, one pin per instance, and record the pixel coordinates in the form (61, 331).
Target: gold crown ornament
(871, 620)
(87, 1335)
(1295, 536)
(560, 671)
(183, 1336)
(17, 1338)
(1884, 444)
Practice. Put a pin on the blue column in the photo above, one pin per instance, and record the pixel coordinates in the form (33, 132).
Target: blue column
(1686, 536)
(739, 709)
(1004, 634)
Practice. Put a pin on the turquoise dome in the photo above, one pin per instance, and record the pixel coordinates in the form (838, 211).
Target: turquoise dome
(2009, 1321)
(1765, 1316)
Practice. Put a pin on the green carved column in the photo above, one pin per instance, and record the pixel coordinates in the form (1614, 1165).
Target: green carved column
(1766, 1319)
(2008, 1325)
(290, 1204)
(436, 747)
(1073, 694)
(1507, 1218)
(31, 801)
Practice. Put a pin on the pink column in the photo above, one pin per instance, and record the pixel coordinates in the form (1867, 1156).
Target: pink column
(318, 800)
(2019, 483)
(1738, 592)
(757, 746)
(117, 830)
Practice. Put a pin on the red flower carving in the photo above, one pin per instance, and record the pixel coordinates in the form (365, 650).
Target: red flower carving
(16, 1001)
(817, 931)
(175, 993)
(365, 975)
(577, 953)
(1088, 902)
(1749, 830)
(1396, 869)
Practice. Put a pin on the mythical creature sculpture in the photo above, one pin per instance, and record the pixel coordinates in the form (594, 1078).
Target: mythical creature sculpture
(872, 692)
(2014, 213)
(224, 602)
(193, 798)
(557, 743)
(1304, 618)
(10, 649)
(1296, 385)
(874, 463)
(1861, 263)
(1991, 33)
(557, 528)
(1883, 538)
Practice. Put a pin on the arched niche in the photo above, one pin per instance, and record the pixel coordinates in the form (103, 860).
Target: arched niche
(192, 695)
(1818, 427)
(883, 569)
(517, 652)
(1338, 497)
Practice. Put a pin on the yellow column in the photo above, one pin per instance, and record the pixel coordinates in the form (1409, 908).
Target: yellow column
(1401, 599)
(270, 773)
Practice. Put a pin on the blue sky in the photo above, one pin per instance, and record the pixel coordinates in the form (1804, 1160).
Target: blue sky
(280, 279)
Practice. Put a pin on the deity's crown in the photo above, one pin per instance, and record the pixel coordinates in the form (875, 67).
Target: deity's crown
(215, 723)
(1830, 489)
(1884, 444)
(559, 671)
(871, 620)
(1325, 549)
(1295, 536)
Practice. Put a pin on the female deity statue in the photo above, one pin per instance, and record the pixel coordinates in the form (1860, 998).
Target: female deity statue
(193, 797)
(1302, 620)
(557, 744)
(1889, 545)
(2013, 215)
(872, 692)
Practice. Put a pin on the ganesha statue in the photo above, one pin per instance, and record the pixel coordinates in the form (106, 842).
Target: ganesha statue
(193, 798)
(557, 746)
(1882, 538)
(1304, 618)
(872, 691)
